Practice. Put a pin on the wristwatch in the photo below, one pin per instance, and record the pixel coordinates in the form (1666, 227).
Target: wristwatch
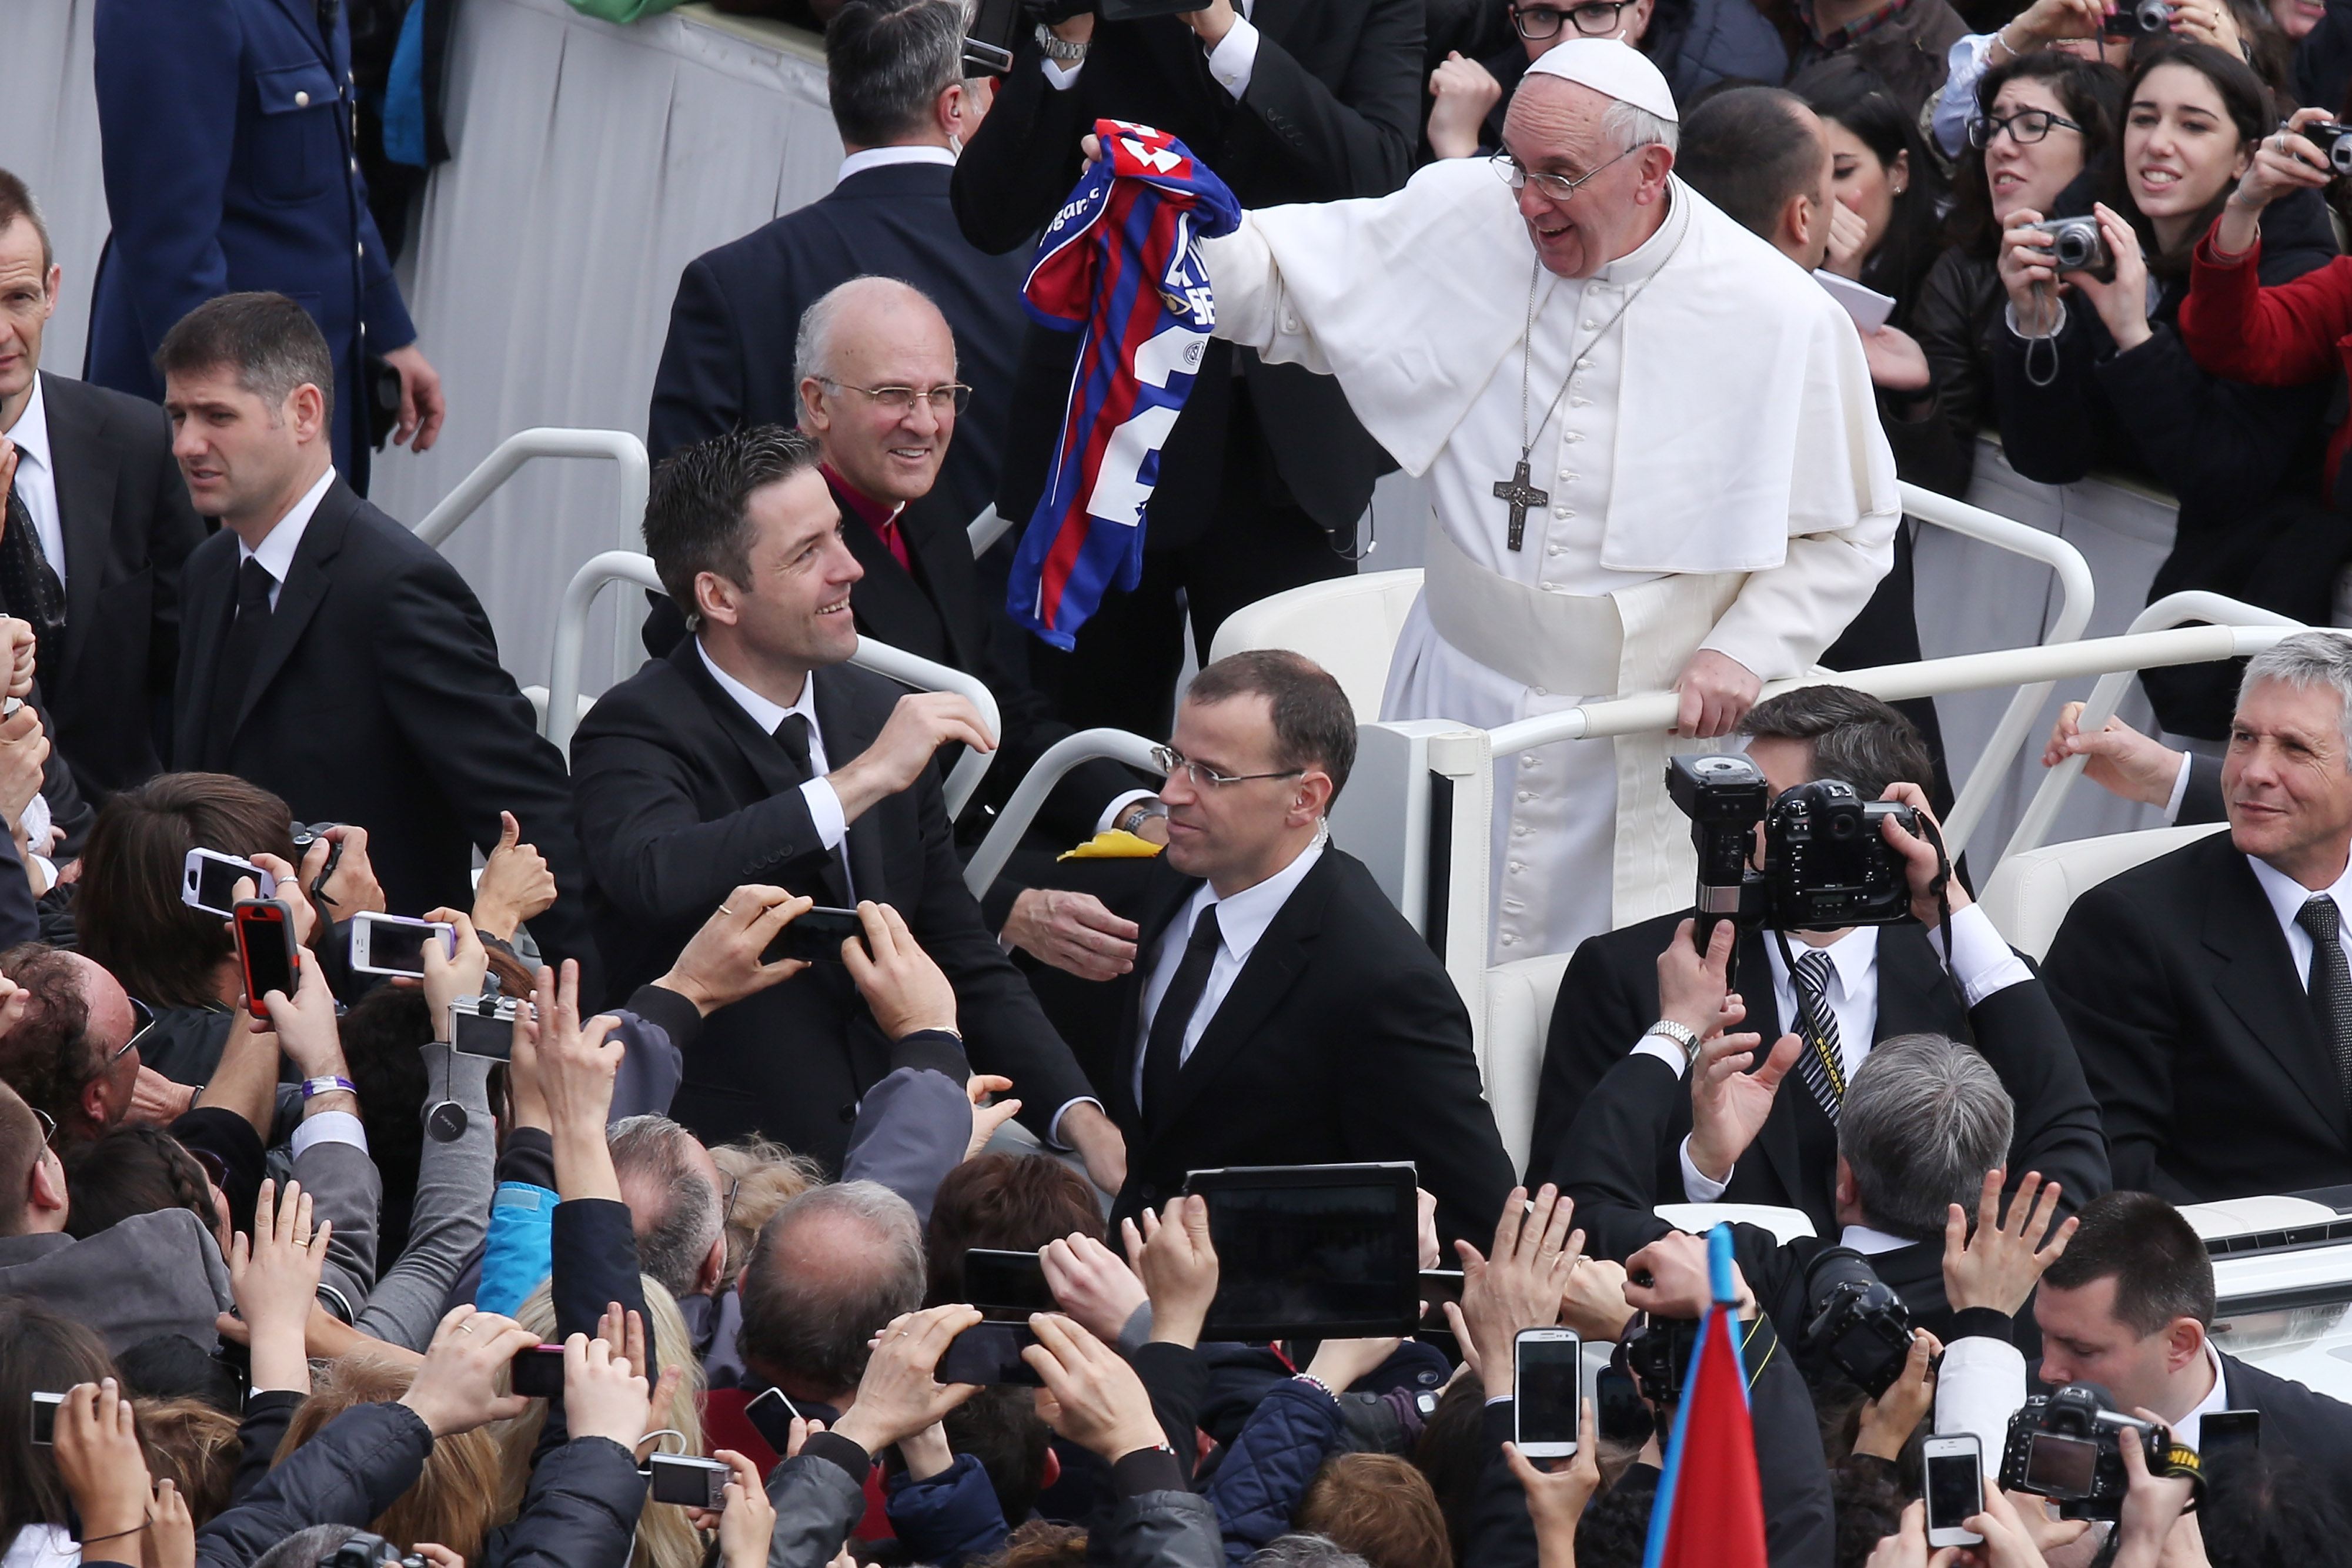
(1133, 817)
(1681, 1034)
(1059, 48)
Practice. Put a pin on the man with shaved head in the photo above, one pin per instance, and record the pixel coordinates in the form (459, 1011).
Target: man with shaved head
(1650, 445)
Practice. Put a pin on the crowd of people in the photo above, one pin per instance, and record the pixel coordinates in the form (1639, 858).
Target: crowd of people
(659, 1262)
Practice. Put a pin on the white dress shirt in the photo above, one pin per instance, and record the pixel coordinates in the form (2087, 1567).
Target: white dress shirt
(1242, 921)
(882, 157)
(2190, 1427)
(1231, 62)
(37, 479)
(278, 545)
(1982, 961)
(2287, 897)
(825, 814)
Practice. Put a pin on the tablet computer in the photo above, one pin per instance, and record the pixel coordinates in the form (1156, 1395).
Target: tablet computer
(1312, 1251)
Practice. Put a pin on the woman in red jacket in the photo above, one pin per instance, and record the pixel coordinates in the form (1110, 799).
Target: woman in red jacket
(2293, 333)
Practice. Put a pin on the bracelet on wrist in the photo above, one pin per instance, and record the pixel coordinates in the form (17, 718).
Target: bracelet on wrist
(1060, 50)
(1681, 1035)
(313, 1087)
(1309, 1379)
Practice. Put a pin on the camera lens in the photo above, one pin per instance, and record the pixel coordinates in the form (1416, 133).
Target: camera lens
(2069, 250)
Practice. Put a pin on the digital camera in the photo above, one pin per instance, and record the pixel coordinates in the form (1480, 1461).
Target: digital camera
(1858, 1323)
(365, 1550)
(2077, 245)
(1658, 1351)
(2144, 19)
(1827, 864)
(2068, 1446)
(2333, 141)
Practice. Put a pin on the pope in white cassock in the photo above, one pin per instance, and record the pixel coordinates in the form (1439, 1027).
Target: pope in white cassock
(1651, 442)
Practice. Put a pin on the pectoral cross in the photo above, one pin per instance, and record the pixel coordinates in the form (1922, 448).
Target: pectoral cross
(1521, 495)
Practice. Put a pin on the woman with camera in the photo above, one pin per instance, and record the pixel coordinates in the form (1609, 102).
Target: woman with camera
(2090, 371)
(2042, 120)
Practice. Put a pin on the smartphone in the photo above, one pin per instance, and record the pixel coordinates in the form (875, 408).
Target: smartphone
(1547, 1375)
(484, 1026)
(265, 952)
(1955, 1490)
(688, 1479)
(2229, 1432)
(394, 944)
(1439, 1286)
(989, 1353)
(1619, 1412)
(208, 881)
(536, 1371)
(774, 1414)
(816, 936)
(45, 1417)
(1006, 1286)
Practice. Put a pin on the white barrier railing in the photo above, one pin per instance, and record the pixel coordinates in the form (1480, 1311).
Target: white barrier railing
(1029, 796)
(987, 528)
(2172, 609)
(629, 566)
(544, 441)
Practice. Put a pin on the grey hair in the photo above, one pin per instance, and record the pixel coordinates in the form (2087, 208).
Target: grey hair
(2307, 660)
(813, 344)
(1629, 125)
(1299, 1550)
(651, 1150)
(886, 63)
(810, 1315)
(1925, 1118)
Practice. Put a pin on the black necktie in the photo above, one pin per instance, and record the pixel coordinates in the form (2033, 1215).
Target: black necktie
(239, 654)
(29, 588)
(1823, 1066)
(2331, 984)
(1163, 1053)
(792, 734)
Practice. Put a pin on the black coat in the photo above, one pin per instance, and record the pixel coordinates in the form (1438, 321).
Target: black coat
(728, 362)
(124, 512)
(682, 798)
(2314, 1429)
(1342, 1038)
(2244, 461)
(2197, 1034)
(1958, 307)
(1615, 1147)
(378, 699)
(1332, 111)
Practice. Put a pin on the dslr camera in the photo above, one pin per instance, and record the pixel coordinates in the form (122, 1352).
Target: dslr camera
(2138, 19)
(2333, 141)
(1826, 865)
(998, 26)
(2068, 1446)
(366, 1550)
(1658, 1351)
(1859, 1325)
(2077, 245)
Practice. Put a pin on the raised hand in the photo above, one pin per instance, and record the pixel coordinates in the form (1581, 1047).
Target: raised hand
(1172, 1254)
(104, 1471)
(604, 1394)
(987, 1118)
(457, 978)
(1729, 1103)
(455, 1389)
(274, 1273)
(1998, 1267)
(1556, 1499)
(1092, 1285)
(2117, 757)
(515, 885)
(1091, 1396)
(1520, 1287)
(1888, 1420)
(721, 962)
(904, 990)
(898, 1397)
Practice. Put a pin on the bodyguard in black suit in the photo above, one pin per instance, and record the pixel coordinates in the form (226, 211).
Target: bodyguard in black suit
(830, 791)
(332, 656)
(1266, 468)
(98, 524)
(1609, 1000)
(1281, 1011)
(730, 360)
(2207, 991)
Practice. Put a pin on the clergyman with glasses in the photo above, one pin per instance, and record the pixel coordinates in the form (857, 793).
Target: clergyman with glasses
(1281, 1011)
(1651, 443)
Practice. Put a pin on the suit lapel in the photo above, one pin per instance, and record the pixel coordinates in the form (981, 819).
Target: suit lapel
(1779, 1135)
(892, 606)
(85, 485)
(299, 595)
(204, 602)
(2257, 982)
(848, 729)
(1914, 995)
(759, 751)
(934, 539)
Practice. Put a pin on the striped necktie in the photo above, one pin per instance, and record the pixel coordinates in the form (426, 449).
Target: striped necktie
(1822, 1065)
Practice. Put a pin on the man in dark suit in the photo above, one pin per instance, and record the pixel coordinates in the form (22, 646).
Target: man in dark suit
(2131, 1307)
(754, 753)
(98, 524)
(226, 127)
(1265, 473)
(1848, 990)
(2207, 991)
(1281, 1011)
(330, 655)
(895, 77)
(880, 393)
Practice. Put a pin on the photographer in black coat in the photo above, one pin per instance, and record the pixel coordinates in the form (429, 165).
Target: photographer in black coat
(1265, 472)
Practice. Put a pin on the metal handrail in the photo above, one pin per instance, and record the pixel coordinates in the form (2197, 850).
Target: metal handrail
(2172, 609)
(1030, 794)
(2077, 595)
(542, 441)
(629, 566)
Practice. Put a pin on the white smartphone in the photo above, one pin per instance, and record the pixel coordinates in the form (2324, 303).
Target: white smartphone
(1868, 307)
(1955, 1490)
(208, 881)
(394, 944)
(1547, 1376)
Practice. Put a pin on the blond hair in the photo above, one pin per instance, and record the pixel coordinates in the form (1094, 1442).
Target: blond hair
(450, 1503)
(762, 1177)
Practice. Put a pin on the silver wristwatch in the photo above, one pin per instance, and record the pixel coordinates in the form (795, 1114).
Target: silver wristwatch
(1681, 1034)
(1135, 816)
(1059, 48)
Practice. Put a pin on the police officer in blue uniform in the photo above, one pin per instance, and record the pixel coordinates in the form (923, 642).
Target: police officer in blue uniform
(230, 166)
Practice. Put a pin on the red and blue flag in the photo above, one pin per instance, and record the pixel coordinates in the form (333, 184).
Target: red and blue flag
(1710, 1508)
(1120, 264)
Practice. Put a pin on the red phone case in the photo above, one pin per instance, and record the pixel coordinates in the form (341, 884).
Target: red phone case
(278, 920)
